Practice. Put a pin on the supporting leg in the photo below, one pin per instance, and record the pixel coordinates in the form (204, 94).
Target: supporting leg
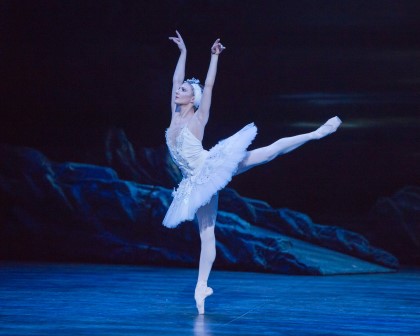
(285, 145)
(206, 220)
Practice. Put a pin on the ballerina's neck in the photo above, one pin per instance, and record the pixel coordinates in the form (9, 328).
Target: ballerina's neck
(184, 111)
(181, 120)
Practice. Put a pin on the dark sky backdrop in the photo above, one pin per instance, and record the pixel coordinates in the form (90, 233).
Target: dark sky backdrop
(72, 69)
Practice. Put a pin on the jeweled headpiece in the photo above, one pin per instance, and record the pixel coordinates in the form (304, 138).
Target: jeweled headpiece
(198, 92)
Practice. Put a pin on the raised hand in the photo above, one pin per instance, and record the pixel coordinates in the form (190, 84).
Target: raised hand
(217, 47)
(179, 41)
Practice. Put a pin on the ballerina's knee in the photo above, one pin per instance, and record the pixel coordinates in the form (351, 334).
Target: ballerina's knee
(257, 157)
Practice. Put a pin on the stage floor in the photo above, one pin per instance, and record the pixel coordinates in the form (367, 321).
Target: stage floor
(80, 299)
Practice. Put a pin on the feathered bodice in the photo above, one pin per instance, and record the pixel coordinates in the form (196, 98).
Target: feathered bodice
(186, 150)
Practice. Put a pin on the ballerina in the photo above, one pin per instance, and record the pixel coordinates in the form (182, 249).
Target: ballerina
(206, 172)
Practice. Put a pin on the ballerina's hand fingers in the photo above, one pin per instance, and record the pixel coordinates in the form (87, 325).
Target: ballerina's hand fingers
(215, 43)
(179, 35)
(176, 40)
(220, 47)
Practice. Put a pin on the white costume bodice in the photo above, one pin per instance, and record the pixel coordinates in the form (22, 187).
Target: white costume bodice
(186, 150)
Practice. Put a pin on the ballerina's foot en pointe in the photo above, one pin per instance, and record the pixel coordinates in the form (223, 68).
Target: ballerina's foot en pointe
(329, 127)
(201, 293)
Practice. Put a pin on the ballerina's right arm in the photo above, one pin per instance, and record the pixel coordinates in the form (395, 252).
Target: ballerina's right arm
(179, 73)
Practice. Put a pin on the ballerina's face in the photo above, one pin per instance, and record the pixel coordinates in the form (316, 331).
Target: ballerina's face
(184, 95)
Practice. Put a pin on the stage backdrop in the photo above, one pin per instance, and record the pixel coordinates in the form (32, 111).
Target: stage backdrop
(71, 72)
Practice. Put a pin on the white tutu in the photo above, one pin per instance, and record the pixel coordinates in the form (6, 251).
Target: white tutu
(213, 172)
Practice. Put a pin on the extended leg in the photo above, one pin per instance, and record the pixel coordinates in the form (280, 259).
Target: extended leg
(206, 220)
(265, 154)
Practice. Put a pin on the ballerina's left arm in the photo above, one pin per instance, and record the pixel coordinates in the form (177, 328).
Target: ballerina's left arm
(204, 109)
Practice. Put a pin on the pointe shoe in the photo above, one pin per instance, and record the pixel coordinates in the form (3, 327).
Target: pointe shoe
(329, 127)
(201, 292)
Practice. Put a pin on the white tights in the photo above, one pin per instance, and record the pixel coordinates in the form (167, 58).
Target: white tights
(207, 213)
(206, 220)
(285, 145)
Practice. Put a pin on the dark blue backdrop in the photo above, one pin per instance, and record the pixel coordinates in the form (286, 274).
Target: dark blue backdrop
(71, 70)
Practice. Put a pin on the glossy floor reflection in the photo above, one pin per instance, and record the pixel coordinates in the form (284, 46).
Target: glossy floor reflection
(76, 299)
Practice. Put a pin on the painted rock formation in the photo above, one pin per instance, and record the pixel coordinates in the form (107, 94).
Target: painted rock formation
(82, 212)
